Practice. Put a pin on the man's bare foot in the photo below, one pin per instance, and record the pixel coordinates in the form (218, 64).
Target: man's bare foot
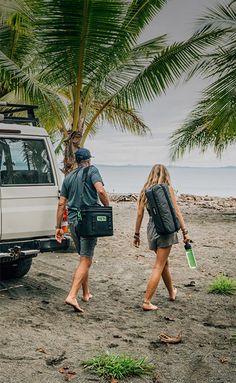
(149, 307)
(173, 295)
(73, 303)
(87, 297)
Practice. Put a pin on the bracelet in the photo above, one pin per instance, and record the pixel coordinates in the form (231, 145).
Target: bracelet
(185, 232)
(58, 227)
(136, 236)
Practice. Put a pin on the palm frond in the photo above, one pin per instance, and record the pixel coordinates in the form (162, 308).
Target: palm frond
(62, 28)
(128, 67)
(126, 120)
(222, 16)
(212, 123)
(137, 15)
(165, 69)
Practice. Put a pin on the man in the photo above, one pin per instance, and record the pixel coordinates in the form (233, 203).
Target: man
(70, 195)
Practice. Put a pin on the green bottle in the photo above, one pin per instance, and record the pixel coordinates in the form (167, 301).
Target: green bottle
(190, 256)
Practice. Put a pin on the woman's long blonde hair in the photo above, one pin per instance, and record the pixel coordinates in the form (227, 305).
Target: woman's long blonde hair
(158, 175)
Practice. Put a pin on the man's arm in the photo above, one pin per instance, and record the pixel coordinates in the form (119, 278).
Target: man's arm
(102, 193)
(60, 210)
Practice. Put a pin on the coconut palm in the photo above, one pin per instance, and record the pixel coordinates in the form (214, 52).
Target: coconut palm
(212, 123)
(20, 79)
(88, 54)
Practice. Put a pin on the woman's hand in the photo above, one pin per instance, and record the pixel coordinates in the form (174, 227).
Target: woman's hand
(186, 238)
(136, 241)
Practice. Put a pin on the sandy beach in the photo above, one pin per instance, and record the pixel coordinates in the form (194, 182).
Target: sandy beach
(40, 335)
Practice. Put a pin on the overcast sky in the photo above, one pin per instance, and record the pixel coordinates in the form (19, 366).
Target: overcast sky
(166, 113)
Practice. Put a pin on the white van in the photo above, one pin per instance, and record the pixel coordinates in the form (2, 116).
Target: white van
(29, 190)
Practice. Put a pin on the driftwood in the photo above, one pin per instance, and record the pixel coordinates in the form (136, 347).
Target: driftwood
(215, 203)
(124, 197)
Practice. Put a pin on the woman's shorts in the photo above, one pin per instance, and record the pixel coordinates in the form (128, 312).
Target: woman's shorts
(155, 240)
(84, 246)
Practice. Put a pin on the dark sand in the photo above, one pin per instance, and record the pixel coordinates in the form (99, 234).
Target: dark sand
(33, 317)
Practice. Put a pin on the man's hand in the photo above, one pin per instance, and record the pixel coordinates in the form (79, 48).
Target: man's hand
(59, 235)
(136, 242)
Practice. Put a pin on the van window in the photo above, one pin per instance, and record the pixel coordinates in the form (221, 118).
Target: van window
(24, 162)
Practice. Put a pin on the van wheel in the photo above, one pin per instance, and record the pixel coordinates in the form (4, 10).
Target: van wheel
(15, 270)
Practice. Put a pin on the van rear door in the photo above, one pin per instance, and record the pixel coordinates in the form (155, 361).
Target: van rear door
(29, 187)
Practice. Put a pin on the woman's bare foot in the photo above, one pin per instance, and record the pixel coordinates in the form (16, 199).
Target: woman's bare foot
(87, 297)
(147, 306)
(173, 295)
(73, 303)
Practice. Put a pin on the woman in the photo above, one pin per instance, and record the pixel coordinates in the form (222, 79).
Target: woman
(161, 244)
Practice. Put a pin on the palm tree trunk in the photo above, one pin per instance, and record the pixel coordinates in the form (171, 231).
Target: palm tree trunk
(75, 134)
(76, 117)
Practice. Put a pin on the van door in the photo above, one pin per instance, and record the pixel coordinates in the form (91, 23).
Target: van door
(29, 188)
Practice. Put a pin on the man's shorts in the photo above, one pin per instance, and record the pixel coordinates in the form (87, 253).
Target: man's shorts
(84, 246)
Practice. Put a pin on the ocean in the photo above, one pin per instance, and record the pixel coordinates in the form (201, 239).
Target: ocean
(219, 182)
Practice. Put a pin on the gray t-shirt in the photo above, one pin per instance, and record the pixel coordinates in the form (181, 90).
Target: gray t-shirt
(71, 190)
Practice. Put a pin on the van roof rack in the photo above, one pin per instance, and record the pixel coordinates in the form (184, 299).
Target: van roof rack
(8, 111)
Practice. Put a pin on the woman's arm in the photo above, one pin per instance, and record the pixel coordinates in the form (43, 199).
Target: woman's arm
(179, 215)
(139, 220)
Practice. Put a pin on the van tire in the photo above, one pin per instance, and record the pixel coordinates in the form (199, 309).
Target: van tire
(15, 270)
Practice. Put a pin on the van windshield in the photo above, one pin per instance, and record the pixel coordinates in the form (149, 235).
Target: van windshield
(24, 162)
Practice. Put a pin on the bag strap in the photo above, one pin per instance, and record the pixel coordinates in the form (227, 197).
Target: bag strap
(172, 210)
(84, 178)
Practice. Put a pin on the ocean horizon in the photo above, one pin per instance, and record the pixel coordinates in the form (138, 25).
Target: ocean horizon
(212, 181)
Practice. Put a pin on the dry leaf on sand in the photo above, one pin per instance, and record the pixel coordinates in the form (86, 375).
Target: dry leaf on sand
(170, 338)
(224, 359)
(40, 349)
(68, 375)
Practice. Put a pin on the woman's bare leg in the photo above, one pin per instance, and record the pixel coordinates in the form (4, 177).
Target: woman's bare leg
(161, 258)
(166, 276)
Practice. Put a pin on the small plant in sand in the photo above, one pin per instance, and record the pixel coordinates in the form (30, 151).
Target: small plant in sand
(233, 337)
(223, 285)
(112, 366)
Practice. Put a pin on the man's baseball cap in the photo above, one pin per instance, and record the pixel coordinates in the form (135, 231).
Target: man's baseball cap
(82, 154)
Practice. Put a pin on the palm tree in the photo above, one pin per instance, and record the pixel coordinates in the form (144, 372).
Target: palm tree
(212, 123)
(20, 79)
(86, 55)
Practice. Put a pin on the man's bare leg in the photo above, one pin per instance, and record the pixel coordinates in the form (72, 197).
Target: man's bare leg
(80, 273)
(166, 276)
(85, 288)
(161, 258)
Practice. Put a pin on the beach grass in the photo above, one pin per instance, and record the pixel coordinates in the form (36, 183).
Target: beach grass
(223, 285)
(118, 366)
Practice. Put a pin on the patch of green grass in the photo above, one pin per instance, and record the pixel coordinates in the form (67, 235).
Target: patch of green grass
(223, 285)
(118, 366)
(233, 337)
